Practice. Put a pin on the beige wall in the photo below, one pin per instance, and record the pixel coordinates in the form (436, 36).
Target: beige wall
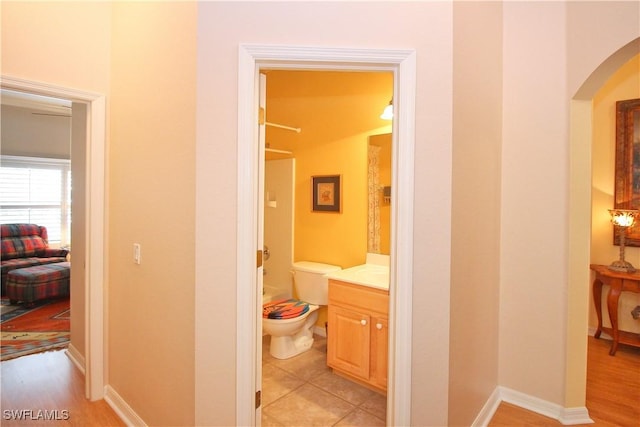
(62, 44)
(607, 37)
(534, 194)
(475, 252)
(79, 214)
(624, 84)
(538, 264)
(425, 26)
(146, 63)
(67, 43)
(151, 192)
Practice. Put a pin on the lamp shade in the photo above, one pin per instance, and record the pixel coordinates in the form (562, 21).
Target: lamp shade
(387, 114)
(623, 217)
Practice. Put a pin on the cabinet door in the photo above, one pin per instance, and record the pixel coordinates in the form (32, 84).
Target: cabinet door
(349, 341)
(379, 346)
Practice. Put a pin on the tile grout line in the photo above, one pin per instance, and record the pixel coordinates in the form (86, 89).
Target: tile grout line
(319, 388)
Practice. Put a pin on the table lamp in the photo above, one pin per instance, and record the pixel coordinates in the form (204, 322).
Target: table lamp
(622, 219)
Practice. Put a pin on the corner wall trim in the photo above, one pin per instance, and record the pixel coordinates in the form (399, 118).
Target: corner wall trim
(488, 410)
(573, 416)
(76, 357)
(121, 408)
(567, 416)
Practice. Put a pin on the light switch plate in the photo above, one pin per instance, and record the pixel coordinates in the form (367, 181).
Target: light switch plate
(136, 253)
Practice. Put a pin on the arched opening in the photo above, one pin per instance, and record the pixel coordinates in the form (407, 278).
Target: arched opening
(580, 202)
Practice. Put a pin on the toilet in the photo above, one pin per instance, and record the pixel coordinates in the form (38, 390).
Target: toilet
(292, 334)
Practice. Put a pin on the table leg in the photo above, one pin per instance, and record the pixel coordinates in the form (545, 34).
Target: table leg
(597, 300)
(612, 305)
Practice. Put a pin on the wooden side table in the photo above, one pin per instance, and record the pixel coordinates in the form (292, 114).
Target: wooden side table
(617, 282)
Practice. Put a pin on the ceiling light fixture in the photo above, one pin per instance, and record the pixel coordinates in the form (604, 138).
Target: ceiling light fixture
(387, 114)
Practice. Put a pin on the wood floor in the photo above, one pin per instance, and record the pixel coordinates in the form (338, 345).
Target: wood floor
(49, 381)
(46, 389)
(613, 391)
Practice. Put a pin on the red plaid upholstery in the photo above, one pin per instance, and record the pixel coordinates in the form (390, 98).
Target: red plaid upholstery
(23, 246)
(17, 230)
(23, 240)
(38, 282)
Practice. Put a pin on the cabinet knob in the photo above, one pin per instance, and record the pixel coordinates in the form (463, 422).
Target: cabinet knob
(363, 322)
(379, 325)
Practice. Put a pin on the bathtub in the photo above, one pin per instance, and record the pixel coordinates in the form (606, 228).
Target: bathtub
(272, 293)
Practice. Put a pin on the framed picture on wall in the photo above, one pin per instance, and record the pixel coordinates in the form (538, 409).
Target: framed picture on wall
(627, 167)
(326, 193)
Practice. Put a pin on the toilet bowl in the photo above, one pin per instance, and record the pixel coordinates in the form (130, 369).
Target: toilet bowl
(294, 335)
(290, 337)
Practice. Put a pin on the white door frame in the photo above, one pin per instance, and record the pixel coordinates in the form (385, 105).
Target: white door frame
(403, 63)
(95, 228)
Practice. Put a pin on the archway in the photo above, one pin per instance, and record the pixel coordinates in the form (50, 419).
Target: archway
(580, 223)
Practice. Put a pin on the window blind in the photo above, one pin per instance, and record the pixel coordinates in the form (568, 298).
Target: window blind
(37, 191)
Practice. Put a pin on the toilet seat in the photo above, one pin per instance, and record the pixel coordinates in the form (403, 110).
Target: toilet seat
(284, 309)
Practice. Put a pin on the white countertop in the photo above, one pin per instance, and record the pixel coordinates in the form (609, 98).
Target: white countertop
(374, 274)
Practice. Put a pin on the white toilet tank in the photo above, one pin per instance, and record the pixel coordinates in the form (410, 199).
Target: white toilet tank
(310, 281)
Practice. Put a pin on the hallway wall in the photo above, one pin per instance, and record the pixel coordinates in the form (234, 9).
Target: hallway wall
(187, 53)
(425, 26)
(152, 202)
(63, 45)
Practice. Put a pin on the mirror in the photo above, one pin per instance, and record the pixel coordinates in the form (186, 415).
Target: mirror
(379, 188)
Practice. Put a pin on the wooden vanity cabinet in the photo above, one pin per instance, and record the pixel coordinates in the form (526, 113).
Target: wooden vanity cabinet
(357, 339)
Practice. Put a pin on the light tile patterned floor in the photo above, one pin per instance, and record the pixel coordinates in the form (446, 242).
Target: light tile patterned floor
(302, 391)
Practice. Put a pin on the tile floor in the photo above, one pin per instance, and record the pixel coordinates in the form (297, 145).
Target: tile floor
(302, 391)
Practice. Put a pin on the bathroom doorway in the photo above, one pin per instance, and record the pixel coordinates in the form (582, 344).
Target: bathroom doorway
(328, 122)
(402, 62)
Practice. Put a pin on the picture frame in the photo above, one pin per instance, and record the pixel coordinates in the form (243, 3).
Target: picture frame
(326, 193)
(627, 164)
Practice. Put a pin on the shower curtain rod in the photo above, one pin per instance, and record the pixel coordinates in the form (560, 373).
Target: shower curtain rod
(273, 150)
(275, 125)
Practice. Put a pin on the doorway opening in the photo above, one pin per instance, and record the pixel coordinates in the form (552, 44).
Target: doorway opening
(253, 58)
(88, 142)
(580, 234)
(325, 126)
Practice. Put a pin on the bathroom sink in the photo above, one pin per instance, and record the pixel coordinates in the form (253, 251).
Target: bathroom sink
(372, 275)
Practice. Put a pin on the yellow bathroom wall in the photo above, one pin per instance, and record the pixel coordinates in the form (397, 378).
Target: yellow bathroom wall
(337, 112)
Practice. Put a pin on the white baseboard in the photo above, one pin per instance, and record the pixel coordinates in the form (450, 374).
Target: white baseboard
(488, 410)
(567, 416)
(122, 409)
(573, 416)
(77, 358)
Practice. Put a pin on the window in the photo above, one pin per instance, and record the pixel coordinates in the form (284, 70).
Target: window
(37, 191)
